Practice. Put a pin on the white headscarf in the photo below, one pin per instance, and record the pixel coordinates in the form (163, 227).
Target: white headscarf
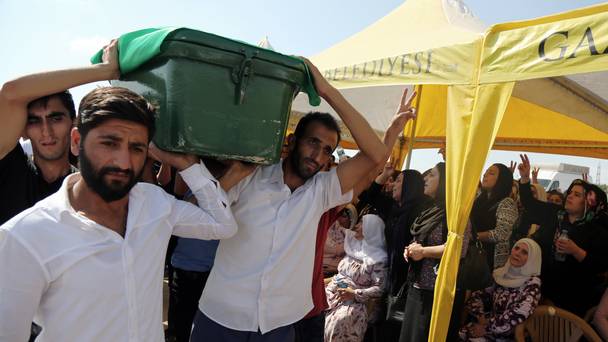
(510, 276)
(372, 249)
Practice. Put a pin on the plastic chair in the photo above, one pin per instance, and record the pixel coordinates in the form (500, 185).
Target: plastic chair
(589, 314)
(552, 324)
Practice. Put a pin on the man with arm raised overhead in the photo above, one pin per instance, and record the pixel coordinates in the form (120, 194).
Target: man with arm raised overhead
(261, 280)
(86, 263)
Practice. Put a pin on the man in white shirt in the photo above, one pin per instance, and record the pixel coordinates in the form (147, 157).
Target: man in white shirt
(86, 263)
(261, 280)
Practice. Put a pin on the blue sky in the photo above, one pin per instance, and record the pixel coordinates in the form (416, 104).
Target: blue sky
(40, 35)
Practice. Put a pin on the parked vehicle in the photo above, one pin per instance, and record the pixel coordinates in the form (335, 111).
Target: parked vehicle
(560, 176)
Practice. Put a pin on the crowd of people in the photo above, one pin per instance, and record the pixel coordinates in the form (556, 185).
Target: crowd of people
(306, 249)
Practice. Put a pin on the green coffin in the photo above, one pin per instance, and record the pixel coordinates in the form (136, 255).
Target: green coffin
(218, 97)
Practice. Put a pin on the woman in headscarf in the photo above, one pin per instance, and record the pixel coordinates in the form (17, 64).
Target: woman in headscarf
(512, 298)
(598, 202)
(570, 265)
(494, 214)
(379, 194)
(406, 202)
(333, 251)
(429, 233)
(410, 201)
(360, 279)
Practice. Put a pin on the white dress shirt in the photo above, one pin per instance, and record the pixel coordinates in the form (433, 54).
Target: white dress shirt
(262, 276)
(83, 282)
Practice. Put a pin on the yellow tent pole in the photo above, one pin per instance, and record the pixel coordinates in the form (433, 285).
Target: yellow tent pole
(397, 157)
(410, 146)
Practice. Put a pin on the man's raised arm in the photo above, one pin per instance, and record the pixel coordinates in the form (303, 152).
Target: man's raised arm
(16, 94)
(373, 151)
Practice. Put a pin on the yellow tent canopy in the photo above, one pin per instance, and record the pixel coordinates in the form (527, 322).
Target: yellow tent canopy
(512, 86)
(447, 31)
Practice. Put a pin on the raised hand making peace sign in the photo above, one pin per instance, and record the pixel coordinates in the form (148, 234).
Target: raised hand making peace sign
(405, 111)
(524, 168)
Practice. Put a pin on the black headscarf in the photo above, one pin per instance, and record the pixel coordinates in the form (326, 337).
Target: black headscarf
(405, 211)
(431, 217)
(428, 220)
(412, 192)
(397, 232)
(601, 208)
(601, 200)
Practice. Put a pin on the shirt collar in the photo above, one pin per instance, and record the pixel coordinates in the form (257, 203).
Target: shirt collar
(274, 173)
(59, 204)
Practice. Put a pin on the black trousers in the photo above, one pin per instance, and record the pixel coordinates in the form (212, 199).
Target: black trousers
(185, 290)
(34, 332)
(310, 329)
(207, 330)
(417, 316)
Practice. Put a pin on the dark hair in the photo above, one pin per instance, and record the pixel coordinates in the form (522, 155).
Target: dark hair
(425, 173)
(103, 104)
(440, 195)
(324, 118)
(600, 197)
(64, 96)
(396, 174)
(580, 182)
(504, 184)
(485, 206)
(483, 213)
(412, 187)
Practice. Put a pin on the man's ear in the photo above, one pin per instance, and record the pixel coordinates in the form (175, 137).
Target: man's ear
(291, 142)
(75, 141)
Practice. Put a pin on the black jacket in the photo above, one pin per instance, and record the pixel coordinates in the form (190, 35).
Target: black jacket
(570, 284)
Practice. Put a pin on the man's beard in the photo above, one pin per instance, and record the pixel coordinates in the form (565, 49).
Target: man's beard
(298, 165)
(94, 179)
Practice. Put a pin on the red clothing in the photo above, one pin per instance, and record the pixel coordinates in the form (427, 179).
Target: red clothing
(318, 285)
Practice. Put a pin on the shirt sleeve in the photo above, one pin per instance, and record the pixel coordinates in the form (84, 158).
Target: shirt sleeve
(506, 215)
(13, 177)
(212, 219)
(329, 184)
(378, 277)
(596, 260)
(376, 198)
(15, 155)
(22, 284)
(234, 192)
(537, 211)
